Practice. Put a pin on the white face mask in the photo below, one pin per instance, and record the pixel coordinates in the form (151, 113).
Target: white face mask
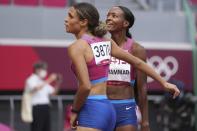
(42, 74)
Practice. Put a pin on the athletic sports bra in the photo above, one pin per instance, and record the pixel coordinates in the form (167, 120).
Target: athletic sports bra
(98, 67)
(120, 72)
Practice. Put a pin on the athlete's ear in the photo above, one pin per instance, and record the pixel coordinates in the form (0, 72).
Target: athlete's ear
(84, 22)
(125, 23)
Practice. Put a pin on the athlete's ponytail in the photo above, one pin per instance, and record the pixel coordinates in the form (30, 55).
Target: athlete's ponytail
(128, 34)
(100, 30)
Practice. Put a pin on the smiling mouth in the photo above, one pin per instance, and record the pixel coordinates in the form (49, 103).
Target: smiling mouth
(109, 23)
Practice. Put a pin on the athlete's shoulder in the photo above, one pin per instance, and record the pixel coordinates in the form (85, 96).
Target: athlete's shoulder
(139, 51)
(77, 47)
(138, 47)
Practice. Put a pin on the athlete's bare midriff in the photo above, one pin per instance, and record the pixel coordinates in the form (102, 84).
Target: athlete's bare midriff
(120, 92)
(98, 89)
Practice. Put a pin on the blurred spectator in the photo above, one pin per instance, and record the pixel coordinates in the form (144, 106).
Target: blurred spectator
(176, 114)
(40, 90)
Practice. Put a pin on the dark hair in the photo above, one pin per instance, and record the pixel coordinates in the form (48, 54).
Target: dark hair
(136, 94)
(89, 12)
(39, 65)
(128, 15)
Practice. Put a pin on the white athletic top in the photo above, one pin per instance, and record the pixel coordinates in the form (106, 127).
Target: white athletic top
(119, 70)
(41, 96)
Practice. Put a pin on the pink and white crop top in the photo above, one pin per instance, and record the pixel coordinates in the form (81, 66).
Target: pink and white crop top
(98, 67)
(120, 72)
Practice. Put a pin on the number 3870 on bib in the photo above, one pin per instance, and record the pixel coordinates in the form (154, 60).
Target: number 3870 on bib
(102, 51)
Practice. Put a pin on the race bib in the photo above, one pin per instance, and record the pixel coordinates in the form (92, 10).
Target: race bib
(101, 51)
(119, 70)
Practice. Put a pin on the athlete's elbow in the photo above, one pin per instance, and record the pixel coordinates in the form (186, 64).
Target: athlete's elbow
(86, 87)
(138, 64)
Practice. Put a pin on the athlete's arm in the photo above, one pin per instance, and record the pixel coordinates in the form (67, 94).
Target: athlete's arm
(140, 52)
(76, 54)
(141, 65)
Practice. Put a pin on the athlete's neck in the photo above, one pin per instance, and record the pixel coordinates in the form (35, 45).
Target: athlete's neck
(119, 37)
(81, 33)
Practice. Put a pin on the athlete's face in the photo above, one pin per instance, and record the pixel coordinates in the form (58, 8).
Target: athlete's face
(115, 19)
(72, 21)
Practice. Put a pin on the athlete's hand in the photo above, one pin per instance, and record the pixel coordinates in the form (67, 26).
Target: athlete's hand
(172, 89)
(73, 121)
(145, 128)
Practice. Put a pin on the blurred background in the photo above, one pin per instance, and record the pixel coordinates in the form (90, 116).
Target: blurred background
(32, 30)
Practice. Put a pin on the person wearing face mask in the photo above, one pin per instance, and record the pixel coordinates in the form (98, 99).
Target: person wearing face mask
(41, 90)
